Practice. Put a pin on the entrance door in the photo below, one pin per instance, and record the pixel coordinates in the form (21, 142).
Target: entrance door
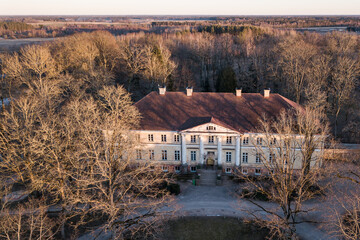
(210, 159)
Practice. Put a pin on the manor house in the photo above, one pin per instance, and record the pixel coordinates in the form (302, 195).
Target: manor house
(183, 131)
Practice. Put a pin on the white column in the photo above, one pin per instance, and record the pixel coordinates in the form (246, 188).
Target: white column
(201, 150)
(219, 150)
(183, 149)
(237, 151)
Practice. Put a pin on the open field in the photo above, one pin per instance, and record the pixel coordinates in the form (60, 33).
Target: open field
(16, 44)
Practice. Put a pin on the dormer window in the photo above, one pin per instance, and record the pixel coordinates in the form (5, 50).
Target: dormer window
(210, 128)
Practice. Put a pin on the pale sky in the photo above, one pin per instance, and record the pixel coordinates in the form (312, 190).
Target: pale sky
(179, 7)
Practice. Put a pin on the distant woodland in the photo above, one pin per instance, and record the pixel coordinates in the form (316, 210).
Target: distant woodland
(15, 27)
(308, 68)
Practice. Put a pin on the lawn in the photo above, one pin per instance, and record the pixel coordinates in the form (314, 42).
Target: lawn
(193, 228)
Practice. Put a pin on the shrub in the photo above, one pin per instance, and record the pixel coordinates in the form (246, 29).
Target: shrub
(174, 188)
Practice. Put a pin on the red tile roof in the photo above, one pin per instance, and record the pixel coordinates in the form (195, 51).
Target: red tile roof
(175, 111)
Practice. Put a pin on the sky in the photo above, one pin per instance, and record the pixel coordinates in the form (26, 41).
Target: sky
(179, 7)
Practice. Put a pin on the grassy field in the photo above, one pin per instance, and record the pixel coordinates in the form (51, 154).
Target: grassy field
(211, 228)
(7, 45)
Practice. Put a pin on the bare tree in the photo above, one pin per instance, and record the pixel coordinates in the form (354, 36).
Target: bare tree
(133, 55)
(291, 161)
(295, 59)
(158, 65)
(347, 212)
(345, 71)
(316, 82)
(103, 173)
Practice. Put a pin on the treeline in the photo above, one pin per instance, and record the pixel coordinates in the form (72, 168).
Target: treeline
(313, 69)
(15, 26)
(219, 29)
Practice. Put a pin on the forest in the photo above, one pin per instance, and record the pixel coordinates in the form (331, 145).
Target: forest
(308, 68)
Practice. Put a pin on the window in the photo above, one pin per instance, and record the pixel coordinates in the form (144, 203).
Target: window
(211, 139)
(165, 168)
(151, 155)
(228, 156)
(271, 157)
(273, 141)
(177, 155)
(193, 138)
(246, 140)
(137, 137)
(210, 128)
(257, 171)
(193, 155)
(176, 138)
(151, 137)
(138, 154)
(259, 141)
(228, 140)
(257, 159)
(164, 154)
(244, 171)
(192, 169)
(177, 169)
(163, 138)
(228, 170)
(245, 157)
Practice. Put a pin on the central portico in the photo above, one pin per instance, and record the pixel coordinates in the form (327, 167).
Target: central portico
(209, 140)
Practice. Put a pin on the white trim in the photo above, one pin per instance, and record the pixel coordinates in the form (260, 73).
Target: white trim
(146, 131)
(151, 144)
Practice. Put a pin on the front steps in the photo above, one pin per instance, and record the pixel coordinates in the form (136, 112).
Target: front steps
(207, 177)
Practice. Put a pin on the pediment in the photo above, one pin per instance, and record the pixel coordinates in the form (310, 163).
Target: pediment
(206, 124)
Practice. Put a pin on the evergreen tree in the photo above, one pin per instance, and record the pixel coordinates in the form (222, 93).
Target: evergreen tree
(226, 81)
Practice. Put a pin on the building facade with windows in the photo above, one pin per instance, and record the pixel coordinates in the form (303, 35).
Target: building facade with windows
(184, 131)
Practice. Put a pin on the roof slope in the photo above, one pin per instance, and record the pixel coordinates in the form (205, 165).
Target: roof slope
(176, 111)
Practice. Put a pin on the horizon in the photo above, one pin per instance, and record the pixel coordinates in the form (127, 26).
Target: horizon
(176, 8)
(183, 15)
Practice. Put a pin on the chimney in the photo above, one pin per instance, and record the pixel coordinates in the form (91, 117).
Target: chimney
(189, 91)
(266, 92)
(238, 92)
(162, 90)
